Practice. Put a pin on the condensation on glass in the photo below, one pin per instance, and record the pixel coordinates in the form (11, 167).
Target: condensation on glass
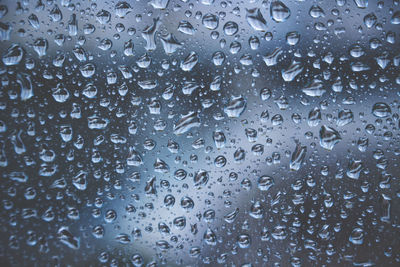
(194, 133)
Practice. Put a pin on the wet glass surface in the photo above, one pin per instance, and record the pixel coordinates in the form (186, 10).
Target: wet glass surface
(200, 133)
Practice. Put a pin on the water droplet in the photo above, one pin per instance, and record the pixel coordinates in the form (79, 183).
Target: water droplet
(329, 137)
(231, 28)
(279, 11)
(357, 236)
(381, 110)
(298, 157)
(187, 122)
(265, 182)
(210, 21)
(235, 107)
(256, 19)
(201, 178)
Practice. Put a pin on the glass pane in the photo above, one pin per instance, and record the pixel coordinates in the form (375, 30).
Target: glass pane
(200, 133)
